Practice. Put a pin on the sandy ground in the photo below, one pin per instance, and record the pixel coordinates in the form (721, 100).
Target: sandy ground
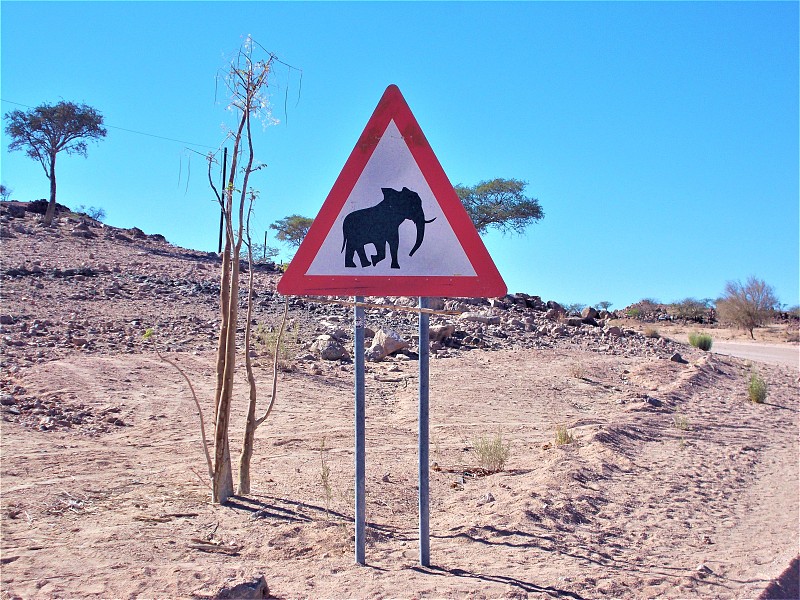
(673, 484)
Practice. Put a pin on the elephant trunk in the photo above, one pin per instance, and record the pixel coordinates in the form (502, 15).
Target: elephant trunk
(419, 221)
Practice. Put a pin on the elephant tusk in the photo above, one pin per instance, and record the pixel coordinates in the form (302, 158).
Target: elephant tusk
(432, 220)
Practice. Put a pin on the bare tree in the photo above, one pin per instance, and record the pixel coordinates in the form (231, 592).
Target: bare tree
(747, 305)
(246, 79)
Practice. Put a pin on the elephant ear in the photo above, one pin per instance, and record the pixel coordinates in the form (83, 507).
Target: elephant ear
(388, 192)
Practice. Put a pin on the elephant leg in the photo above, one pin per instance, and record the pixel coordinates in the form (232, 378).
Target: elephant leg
(349, 253)
(380, 254)
(362, 255)
(394, 242)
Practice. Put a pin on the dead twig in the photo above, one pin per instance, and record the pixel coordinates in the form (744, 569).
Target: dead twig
(175, 365)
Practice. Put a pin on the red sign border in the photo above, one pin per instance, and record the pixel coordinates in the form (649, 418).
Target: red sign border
(486, 283)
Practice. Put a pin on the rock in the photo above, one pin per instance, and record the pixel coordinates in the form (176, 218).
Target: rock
(375, 353)
(329, 348)
(390, 340)
(7, 400)
(573, 321)
(703, 570)
(255, 589)
(613, 330)
(589, 313)
(438, 333)
(486, 319)
(516, 324)
(553, 314)
(678, 359)
(6, 320)
(551, 304)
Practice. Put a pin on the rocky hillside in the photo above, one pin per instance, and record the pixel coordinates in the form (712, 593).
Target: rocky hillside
(85, 285)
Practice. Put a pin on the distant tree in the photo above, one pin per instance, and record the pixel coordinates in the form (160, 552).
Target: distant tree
(292, 229)
(575, 308)
(48, 129)
(747, 305)
(98, 214)
(5, 192)
(692, 309)
(604, 305)
(500, 203)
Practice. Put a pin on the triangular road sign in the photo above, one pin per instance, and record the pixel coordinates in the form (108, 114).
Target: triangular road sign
(392, 224)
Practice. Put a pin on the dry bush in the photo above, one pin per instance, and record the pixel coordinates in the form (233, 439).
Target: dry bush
(492, 453)
(747, 305)
(652, 333)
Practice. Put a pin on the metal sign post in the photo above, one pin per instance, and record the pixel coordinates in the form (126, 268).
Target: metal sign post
(360, 428)
(424, 462)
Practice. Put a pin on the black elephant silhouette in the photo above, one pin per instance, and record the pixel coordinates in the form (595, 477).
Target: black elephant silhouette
(380, 225)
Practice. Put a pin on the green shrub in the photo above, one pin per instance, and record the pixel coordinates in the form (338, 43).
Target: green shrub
(757, 389)
(703, 341)
(492, 453)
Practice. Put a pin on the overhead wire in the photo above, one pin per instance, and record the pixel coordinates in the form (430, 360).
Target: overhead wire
(153, 135)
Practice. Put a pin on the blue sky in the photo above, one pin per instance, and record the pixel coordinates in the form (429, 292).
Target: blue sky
(660, 138)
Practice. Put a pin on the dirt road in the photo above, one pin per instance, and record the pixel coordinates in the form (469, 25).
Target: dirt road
(769, 353)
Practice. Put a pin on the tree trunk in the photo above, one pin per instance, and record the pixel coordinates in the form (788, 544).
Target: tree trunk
(250, 427)
(224, 301)
(223, 477)
(51, 206)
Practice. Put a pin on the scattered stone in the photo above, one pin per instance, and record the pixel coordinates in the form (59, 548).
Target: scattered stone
(703, 570)
(390, 340)
(255, 589)
(375, 353)
(677, 358)
(589, 313)
(438, 333)
(329, 348)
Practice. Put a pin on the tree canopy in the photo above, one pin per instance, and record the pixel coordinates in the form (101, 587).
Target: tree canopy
(500, 203)
(292, 229)
(48, 129)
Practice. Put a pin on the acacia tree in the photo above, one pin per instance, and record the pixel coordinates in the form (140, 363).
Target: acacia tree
(292, 229)
(747, 305)
(45, 131)
(500, 203)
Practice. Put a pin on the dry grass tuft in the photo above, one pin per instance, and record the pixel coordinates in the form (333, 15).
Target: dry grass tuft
(492, 453)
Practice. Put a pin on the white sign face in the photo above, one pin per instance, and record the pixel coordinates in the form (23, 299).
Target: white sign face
(381, 231)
